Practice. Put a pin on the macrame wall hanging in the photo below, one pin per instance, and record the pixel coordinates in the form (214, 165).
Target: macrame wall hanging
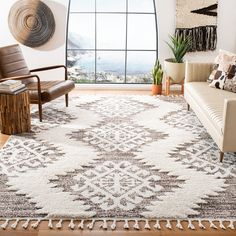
(198, 20)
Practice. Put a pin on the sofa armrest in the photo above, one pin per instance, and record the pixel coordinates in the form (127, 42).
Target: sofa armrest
(197, 72)
(229, 125)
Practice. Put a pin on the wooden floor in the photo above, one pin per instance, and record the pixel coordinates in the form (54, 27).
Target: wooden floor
(44, 231)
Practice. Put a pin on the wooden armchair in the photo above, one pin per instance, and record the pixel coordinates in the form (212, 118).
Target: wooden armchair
(13, 66)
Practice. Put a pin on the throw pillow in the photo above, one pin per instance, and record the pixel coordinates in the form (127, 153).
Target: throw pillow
(220, 72)
(213, 73)
(230, 81)
(219, 80)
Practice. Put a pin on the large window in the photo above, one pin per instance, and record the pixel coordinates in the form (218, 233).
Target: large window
(111, 41)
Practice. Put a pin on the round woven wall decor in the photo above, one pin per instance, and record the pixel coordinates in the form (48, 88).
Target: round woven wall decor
(31, 22)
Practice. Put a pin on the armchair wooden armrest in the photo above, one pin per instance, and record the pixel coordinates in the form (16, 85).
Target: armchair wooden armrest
(51, 68)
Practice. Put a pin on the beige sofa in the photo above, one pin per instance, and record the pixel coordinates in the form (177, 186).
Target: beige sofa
(215, 108)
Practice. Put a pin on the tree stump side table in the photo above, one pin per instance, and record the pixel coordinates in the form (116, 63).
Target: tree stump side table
(15, 113)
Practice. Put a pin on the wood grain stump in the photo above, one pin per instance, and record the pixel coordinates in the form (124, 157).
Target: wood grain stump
(15, 113)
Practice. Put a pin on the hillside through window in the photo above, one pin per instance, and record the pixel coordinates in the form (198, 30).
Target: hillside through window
(111, 41)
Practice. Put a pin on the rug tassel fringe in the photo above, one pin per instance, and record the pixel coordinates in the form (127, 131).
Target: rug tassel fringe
(136, 225)
(190, 225)
(59, 224)
(71, 225)
(26, 224)
(179, 225)
(50, 225)
(113, 225)
(201, 225)
(231, 225)
(36, 224)
(157, 225)
(91, 225)
(168, 224)
(147, 226)
(5, 224)
(104, 225)
(126, 224)
(212, 225)
(221, 225)
(14, 225)
(81, 224)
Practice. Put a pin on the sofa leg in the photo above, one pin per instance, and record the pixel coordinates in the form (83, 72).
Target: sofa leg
(221, 156)
(67, 100)
(188, 107)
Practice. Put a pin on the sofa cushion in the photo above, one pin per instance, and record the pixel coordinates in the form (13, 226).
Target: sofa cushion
(49, 90)
(210, 100)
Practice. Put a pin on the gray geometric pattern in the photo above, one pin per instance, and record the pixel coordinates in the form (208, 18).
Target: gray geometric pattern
(116, 157)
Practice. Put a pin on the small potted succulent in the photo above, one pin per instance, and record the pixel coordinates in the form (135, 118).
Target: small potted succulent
(157, 74)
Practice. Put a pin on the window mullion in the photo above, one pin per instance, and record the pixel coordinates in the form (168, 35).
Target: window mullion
(126, 41)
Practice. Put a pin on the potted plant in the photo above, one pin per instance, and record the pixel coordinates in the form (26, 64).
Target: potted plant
(157, 74)
(175, 67)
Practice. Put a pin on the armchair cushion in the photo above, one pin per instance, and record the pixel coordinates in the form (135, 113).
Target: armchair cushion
(50, 90)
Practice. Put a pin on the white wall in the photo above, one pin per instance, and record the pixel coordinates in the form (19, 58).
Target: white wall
(54, 51)
(51, 53)
(226, 29)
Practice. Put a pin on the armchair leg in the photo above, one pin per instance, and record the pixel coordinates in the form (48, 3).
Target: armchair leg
(67, 99)
(221, 156)
(40, 112)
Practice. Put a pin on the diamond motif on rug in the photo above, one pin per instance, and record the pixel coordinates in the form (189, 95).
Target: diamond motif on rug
(118, 187)
(21, 155)
(117, 136)
(126, 107)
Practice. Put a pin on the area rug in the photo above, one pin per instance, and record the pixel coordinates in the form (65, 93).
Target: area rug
(110, 158)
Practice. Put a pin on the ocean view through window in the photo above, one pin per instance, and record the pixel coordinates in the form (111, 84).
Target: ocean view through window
(112, 41)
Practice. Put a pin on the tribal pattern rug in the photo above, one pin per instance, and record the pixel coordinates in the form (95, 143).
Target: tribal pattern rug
(116, 158)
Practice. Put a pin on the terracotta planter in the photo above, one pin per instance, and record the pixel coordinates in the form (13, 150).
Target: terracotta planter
(176, 71)
(156, 89)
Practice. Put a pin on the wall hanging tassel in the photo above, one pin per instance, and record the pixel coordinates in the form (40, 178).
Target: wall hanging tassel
(50, 225)
(136, 225)
(221, 224)
(190, 225)
(168, 224)
(157, 225)
(104, 225)
(201, 226)
(91, 225)
(113, 225)
(5, 224)
(212, 225)
(179, 225)
(231, 225)
(26, 224)
(81, 224)
(71, 225)
(14, 225)
(59, 224)
(147, 226)
(36, 224)
(126, 224)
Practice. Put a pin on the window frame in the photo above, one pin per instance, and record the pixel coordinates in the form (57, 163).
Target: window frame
(95, 50)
